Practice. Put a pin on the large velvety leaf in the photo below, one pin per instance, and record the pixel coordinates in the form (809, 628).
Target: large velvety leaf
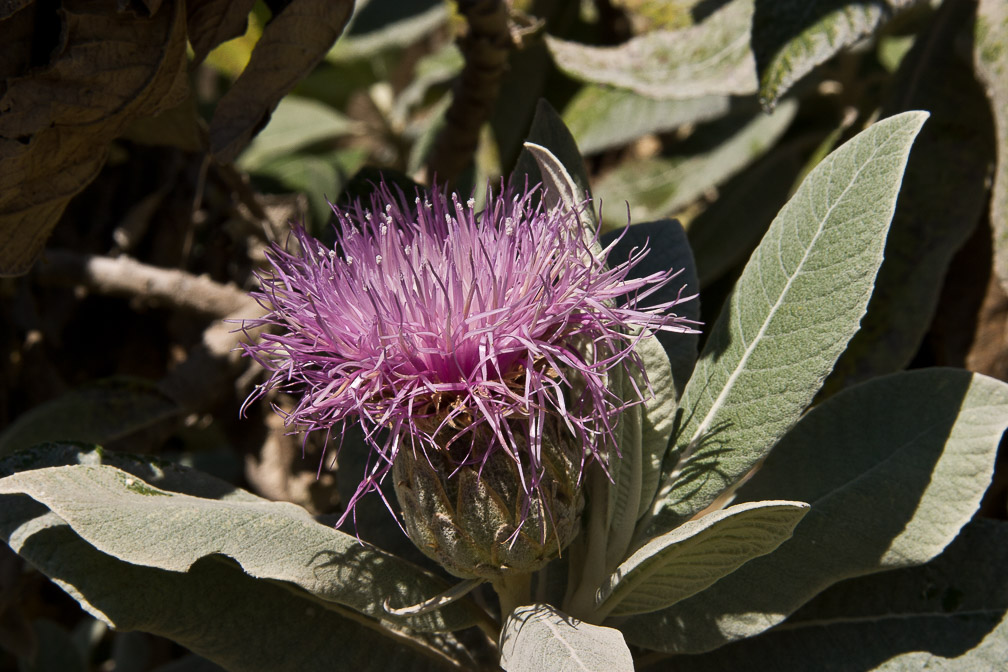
(292, 43)
(537, 637)
(379, 25)
(946, 615)
(943, 196)
(600, 117)
(296, 123)
(214, 609)
(798, 301)
(990, 57)
(98, 413)
(893, 468)
(693, 556)
(712, 57)
(565, 172)
(125, 517)
(725, 234)
(56, 119)
(790, 37)
(661, 186)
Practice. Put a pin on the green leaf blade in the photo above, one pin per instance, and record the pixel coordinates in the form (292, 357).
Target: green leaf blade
(601, 117)
(214, 609)
(792, 37)
(712, 57)
(125, 517)
(893, 468)
(946, 615)
(551, 157)
(662, 186)
(101, 412)
(938, 209)
(793, 310)
(693, 556)
(538, 637)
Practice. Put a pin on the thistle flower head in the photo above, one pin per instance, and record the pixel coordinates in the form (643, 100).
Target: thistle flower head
(466, 335)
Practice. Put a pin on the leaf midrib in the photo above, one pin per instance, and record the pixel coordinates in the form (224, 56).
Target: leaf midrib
(730, 383)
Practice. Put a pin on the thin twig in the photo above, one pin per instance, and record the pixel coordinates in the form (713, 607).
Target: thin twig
(486, 48)
(125, 276)
(213, 364)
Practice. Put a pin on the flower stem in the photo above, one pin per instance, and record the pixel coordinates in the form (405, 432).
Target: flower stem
(513, 591)
(581, 604)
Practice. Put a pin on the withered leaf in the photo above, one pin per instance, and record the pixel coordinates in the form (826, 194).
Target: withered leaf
(293, 42)
(16, 45)
(10, 7)
(56, 119)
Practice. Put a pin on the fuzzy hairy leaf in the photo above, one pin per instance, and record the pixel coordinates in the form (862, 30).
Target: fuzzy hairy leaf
(659, 187)
(943, 196)
(126, 517)
(893, 469)
(600, 117)
(296, 123)
(790, 37)
(557, 163)
(792, 312)
(101, 412)
(725, 233)
(693, 556)
(946, 615)
(214, 609)
(538, 637)
(712, 57)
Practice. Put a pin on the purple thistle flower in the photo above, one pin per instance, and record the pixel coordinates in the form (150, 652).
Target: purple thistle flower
(431, 320)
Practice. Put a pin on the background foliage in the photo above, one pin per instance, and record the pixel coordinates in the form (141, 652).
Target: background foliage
(150, 150)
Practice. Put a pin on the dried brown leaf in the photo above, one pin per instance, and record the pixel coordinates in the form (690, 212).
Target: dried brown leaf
(56, 119)
(212, 22)
(293, 42)
(10, 7)
(16, 45)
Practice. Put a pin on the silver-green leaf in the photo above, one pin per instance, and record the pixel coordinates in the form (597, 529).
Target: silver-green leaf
(551, 156)
(295, 123)
(893, 468)
(938, 208)
(101, 412)
(214, 609)
(693, 556)
(949, 614)
(125, 517)
(538, 637)
(668, 249)
(712, 57)
(600, 117)
(795, 307)
(791, 37)
(662, 186)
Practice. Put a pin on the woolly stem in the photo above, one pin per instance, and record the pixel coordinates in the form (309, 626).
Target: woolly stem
(593, 571)
(513, 591)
